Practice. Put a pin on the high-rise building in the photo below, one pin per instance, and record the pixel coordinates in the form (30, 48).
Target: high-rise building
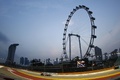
(56, 61)
(22, 60)
(98, 53)
(113, 54)
(26, 61)
(106, 56)
(11, 53)
(48, 61)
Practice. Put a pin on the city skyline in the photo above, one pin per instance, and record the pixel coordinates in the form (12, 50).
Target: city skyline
(38, 25)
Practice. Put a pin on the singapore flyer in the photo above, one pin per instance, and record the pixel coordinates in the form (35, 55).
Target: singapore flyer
(79, 24)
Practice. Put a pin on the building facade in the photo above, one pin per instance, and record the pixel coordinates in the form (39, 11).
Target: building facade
(11, 53)
(113, 54)
(98, 54)
(26, 61)
(22, 60)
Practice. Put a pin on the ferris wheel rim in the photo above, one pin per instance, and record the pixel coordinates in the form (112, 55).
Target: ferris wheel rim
(93, 27)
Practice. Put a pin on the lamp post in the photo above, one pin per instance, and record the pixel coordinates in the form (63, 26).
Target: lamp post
(92, 60)
(62, 64)
(44, 65)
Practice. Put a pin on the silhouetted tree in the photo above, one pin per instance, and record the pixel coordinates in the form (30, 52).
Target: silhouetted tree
(76, 58)
(36, 62)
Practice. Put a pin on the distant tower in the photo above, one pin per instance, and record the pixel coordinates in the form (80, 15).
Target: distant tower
(22, 60)
(26, 61)
(113, 54)
(11, 53)
(56, 61)
(98, 53)
(106, 56)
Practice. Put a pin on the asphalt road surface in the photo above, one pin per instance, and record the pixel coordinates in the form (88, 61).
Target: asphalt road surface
(7, 73)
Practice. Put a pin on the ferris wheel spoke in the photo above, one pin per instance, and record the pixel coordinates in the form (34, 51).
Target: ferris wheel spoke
(89, 31)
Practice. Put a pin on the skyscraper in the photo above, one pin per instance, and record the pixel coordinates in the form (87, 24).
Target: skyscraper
(113, 54)
(106, 56)
(98, 53)
(11, 53)
(26, 61)
(22, 60)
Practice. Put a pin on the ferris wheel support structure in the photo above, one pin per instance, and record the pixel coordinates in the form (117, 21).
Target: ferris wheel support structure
(78, 36)
(92, 36)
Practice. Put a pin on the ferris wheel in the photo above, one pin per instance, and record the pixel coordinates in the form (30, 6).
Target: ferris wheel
(70, 28)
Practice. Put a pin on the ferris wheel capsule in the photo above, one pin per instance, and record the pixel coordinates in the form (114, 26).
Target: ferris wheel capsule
(92, 30)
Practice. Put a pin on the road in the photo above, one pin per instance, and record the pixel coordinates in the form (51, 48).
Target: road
(7, 73)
